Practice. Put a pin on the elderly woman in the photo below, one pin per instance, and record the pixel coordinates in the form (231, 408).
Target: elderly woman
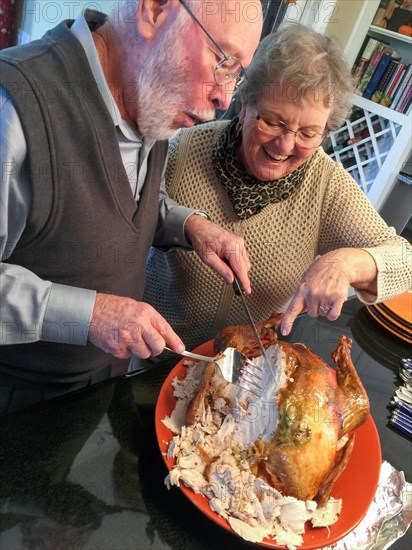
(309, 230)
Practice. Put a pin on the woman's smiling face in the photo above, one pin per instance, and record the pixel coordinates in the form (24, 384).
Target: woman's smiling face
(267, 157)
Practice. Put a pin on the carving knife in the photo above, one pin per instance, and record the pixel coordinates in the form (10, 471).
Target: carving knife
(240, 291)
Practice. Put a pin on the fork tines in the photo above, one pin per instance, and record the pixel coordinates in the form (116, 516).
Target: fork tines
(250, 376)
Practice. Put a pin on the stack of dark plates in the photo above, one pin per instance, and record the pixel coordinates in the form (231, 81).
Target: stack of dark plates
(395, 315)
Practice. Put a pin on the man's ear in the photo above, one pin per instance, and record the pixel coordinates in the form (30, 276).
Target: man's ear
(151, 15)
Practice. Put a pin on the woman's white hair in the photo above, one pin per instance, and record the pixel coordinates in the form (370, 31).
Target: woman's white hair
(300, 61)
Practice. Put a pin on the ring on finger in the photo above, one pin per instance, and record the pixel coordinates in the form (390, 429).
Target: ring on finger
(324, 310)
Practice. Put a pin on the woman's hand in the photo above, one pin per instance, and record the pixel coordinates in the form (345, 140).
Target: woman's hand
(214, 245)
(324, 287)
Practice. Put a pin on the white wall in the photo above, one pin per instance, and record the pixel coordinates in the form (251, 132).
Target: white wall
(38, 16)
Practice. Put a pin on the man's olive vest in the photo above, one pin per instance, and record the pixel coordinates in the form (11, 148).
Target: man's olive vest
(85, 228)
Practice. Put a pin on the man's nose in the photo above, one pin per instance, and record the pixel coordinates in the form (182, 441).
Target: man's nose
(221, 96)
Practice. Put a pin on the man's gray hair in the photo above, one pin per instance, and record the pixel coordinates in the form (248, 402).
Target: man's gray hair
(300, 60)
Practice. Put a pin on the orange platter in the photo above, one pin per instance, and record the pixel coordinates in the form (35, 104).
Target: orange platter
(401, 307)
(395, 315)
(356, 485)
(392, 320)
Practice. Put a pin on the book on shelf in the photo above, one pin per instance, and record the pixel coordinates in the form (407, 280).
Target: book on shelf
(384, 83)
(396, 79)
(403, 105)
(377, 75)
(363, 58)
(408, 106)
(380, 50)
(403, 87)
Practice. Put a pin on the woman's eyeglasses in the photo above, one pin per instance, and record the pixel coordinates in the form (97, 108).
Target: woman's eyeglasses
(229, 68)
(305, 138)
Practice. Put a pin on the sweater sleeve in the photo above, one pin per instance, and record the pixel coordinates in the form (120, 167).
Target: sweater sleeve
(348, 219)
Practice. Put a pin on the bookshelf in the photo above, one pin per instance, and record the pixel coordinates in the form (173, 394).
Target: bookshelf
(399, 42)
(375, 143)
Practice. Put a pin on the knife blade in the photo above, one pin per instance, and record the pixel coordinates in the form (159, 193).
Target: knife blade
(240, 291)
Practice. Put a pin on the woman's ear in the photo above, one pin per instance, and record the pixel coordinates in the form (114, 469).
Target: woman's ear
(151, 15)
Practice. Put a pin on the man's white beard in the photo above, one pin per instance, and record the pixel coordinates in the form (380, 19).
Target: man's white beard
(157, 106)
(163, 89)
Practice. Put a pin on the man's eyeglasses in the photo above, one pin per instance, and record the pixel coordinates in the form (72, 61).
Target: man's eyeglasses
(305, 138)
(229, 68)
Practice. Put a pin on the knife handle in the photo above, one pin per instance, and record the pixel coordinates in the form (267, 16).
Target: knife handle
(237, 285)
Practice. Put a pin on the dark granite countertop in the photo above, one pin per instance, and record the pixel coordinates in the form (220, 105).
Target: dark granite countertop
(84, 471)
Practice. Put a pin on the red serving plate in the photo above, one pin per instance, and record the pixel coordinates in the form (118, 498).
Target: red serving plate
(356, 486)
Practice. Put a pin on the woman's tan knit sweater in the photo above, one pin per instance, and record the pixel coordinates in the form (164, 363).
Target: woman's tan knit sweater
(326, 212)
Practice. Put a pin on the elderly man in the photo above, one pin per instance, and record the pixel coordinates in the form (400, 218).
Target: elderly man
(84, 112)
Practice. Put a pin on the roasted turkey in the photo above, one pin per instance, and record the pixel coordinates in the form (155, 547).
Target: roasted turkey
(318, 409)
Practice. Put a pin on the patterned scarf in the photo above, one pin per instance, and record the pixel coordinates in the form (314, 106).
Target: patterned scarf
(247, 193)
